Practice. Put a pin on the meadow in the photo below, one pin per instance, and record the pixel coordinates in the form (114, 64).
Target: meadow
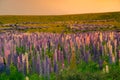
(58, 23)
(60, 56)
(64, 47)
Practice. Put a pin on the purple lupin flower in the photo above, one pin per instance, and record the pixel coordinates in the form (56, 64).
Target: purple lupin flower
(55, 67)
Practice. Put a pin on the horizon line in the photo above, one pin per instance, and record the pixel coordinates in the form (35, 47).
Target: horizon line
(58, 14)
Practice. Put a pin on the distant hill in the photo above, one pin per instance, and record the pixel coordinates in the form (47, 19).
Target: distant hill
(52, 18)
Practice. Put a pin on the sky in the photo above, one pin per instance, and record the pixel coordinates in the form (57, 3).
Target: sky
(57, 7)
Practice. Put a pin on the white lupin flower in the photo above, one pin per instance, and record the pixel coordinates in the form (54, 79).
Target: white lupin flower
(111, 35)
(26, 78)
(101, 37)
(107, 69)
(111, 53)
(27, 63)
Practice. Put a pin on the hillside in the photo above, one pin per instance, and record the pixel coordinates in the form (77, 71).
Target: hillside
(58, 23)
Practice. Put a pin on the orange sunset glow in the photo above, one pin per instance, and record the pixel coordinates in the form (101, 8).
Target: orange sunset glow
(56, 7)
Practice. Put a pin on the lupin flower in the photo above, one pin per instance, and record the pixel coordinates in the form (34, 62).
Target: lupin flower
(101, 39)
(119, 55)
(107, 68)
(26, 78)
(27, 62)
(55, 55)
(55, 67)
(73, 59)
(111, 54)
(2, 67)
(1, 59)
(111, 35)
(33, 57)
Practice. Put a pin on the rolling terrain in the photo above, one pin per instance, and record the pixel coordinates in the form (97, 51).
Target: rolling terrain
(59, 23)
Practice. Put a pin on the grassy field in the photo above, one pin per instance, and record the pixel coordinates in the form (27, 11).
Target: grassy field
(49, 19)
(58, 23)
(53, 56)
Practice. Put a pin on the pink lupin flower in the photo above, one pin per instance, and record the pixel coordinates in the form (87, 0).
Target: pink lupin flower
(1, 59)
(87, 40)
(55, 55)
(63, 65)
(119, 55)
(18, 64)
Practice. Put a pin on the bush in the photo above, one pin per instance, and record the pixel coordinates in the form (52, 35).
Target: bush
(114, 73)
(74, 75)
(34, 77)
(4, 76)
(13, 75)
